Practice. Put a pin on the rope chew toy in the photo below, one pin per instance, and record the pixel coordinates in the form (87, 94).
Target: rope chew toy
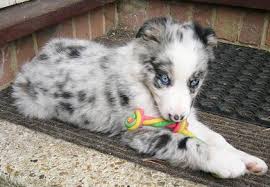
(138, 119)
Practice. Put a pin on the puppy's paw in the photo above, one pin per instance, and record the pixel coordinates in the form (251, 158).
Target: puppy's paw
(225, 164)
(254, 164)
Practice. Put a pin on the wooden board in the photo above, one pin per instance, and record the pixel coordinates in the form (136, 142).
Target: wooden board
(256, 4)
(23, 19)
(7, 3)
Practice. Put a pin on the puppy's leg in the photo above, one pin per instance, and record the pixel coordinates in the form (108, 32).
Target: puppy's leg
(185, 151)
(253, 164)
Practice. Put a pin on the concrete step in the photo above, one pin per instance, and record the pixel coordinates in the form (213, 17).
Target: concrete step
(33, 159)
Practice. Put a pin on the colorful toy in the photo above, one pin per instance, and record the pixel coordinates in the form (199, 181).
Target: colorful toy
(138, 119)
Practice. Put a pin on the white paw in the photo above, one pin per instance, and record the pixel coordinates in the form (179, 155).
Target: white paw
(225, 164)
(253, 164)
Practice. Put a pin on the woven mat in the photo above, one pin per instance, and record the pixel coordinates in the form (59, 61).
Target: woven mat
(252, 136)
(238, 85)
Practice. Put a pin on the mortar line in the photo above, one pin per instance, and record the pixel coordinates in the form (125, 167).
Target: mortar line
(240, 26)
(35, 44)
(103, 21)
(14, 61)
(116, 16)
(73, 26)
(264, 31)
(190, 12)
(214, 17)
(89, 25)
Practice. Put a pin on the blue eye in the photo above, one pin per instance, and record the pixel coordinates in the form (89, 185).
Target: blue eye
(164, 79)
(194, 83)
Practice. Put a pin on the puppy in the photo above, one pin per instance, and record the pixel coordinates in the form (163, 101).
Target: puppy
(161, 71)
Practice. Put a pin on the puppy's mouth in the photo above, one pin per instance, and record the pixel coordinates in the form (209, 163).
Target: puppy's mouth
(166, 116)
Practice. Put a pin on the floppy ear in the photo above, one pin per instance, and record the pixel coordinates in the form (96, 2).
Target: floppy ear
(210, 36)
(148, 33)
(206, 35)
(151, 29)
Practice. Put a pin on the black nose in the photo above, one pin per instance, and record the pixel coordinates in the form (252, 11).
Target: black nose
(176, 117)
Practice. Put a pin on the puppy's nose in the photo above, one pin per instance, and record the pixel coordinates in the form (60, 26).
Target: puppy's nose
(176, 117)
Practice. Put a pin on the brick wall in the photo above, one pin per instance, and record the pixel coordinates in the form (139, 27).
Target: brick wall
(87, 26)
(240, 26)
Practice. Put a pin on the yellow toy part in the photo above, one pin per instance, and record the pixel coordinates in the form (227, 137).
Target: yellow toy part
(134, 121)
(183, 129)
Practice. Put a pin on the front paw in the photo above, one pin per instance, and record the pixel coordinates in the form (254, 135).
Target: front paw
(254, 164)
(224, 164)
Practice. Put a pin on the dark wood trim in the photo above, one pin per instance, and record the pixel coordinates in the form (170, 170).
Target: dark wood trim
(26, 18)
(256, 4)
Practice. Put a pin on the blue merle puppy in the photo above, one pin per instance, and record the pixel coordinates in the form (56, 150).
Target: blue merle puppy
(161, 71)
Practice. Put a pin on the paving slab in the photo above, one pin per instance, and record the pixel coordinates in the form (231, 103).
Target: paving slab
(31, 158)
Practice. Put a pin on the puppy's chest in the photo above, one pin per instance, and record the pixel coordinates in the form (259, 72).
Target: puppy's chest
(143, 99)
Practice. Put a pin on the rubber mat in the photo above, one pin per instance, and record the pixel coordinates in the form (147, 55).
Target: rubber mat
(238, 85)
(248, 137)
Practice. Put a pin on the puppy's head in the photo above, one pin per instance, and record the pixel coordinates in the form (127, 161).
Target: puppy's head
(174, 58)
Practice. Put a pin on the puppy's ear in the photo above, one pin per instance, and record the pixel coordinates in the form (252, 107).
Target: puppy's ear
(151, 29)
(210, 36)
(206, 35)
(149, 33)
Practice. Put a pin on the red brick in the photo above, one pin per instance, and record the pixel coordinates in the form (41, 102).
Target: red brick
(65, 29)
(203, 14)
(227, 21)
(43, 36)
(7, 72)
(132, 13)
(267, 41)
(24, 50)
(133, 21)
(110, 16)
(82, 26)
(157, 8)
(97, 22)
(181, 11)
(252, 28)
